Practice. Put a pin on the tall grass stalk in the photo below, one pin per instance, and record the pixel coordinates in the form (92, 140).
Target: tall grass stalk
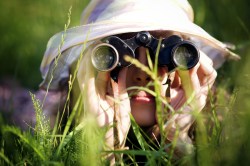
(55, 65)
(152, 71)
(77, 109)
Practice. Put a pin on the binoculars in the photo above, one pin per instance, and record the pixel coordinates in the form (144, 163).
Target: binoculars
(174, 52)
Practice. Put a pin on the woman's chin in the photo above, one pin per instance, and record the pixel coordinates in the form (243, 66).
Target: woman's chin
(144, 114)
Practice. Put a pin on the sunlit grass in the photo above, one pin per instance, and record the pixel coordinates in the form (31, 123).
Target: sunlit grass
(221, 134)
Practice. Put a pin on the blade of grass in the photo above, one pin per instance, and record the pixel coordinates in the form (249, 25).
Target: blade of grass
(6, 160)
(27, 139)
(138, 134)
(66, 26)
(68, 124)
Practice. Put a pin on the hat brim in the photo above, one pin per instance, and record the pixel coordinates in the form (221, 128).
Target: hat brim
(85, 33)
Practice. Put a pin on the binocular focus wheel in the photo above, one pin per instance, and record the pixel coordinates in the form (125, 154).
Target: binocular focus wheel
(104, 57)
(143, 38)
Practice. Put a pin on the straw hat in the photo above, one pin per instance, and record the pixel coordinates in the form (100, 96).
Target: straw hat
(108, 17)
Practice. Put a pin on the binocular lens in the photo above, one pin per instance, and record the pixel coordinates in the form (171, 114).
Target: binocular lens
(104, 57)
(185, 56)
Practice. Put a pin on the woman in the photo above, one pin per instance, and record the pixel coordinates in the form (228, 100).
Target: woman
(161, 19)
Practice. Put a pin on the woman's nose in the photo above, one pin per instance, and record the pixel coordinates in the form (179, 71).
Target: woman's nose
(141, 77)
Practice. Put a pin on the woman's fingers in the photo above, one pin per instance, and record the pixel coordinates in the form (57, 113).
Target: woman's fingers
(190, 81)
(102, 82)
(120, 93)
(202, 76)
(123, 95)
(176, 81)
(206, 75)
(90, 95)
(99, 95)
(197, 81)
(206, 72)
(124, 104)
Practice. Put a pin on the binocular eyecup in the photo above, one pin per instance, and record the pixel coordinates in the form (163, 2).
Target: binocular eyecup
(174, 52)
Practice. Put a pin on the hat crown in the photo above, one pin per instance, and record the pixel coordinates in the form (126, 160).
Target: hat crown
(136, 10)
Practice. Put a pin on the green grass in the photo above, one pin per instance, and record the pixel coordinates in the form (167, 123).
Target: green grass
(221, 142)
(218, 141)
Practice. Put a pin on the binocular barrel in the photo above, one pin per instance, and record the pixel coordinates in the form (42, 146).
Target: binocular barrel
(174, 52)
(183, 55)
(105, 57)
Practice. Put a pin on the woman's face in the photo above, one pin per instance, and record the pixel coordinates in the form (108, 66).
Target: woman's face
(143, 105)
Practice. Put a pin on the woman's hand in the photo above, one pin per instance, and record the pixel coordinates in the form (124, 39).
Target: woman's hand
(189, 91)
(107, 100)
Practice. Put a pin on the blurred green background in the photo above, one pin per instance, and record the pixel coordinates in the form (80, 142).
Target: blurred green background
(27, 25)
